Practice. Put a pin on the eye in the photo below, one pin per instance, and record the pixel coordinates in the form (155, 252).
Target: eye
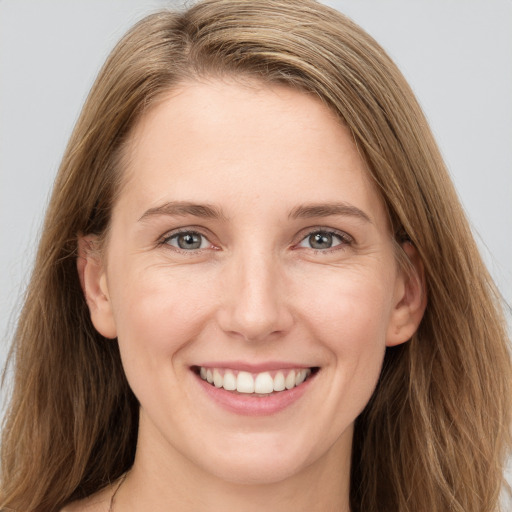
(323, 240)
(188, 241)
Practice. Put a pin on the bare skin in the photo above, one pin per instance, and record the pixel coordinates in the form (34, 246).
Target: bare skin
(293, 264)
(99, 502)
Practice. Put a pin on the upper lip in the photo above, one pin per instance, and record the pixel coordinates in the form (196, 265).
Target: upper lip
(254, 368)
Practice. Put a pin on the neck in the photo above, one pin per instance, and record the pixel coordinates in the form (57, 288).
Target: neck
(167, 481)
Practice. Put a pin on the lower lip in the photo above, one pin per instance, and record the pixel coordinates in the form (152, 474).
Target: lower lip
(253, 405)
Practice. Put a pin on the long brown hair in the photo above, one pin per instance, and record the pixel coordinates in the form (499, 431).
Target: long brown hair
(435, 434)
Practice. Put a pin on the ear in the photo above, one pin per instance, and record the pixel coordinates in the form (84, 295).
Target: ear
(410, 299)
(93, 280)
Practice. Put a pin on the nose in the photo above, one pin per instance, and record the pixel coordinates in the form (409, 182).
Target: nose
(255, 305)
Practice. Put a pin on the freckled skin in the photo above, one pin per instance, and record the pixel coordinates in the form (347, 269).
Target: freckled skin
(256, 291)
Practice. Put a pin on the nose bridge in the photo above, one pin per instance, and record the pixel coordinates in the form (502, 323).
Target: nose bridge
(256, 304)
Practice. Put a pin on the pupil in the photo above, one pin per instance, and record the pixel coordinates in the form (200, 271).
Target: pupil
(189, 241)
(321, 241)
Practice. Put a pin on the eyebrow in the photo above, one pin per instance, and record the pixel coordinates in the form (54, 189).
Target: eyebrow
(184, 208)
(208, 211)
(325, 210)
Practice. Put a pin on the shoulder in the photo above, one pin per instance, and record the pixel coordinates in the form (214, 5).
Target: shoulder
(99, 502)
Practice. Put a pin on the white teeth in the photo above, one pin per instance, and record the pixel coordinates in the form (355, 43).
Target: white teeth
(217, 378)
(300, 377)
(290, 380)
(279, 384)
(244, 383)
(264, 383)
(260, 384)
(229, 383)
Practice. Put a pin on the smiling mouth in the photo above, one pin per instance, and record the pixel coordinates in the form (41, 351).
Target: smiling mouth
(256, 384)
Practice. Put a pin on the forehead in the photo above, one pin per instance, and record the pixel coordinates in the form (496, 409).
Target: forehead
(256, 138)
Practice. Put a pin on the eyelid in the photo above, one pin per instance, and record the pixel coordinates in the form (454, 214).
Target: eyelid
(347, 239)
(164, 239)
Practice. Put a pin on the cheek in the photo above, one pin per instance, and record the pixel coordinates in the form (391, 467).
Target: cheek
(350, 318)
(157, 312)
(351, 308)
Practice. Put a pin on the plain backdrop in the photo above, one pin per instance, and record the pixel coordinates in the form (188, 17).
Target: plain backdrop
(457, 55)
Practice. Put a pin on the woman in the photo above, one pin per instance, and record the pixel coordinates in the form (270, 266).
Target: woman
(256, 287)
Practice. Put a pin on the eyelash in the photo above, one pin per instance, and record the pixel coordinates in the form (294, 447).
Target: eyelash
(175, 234)
(345, 240)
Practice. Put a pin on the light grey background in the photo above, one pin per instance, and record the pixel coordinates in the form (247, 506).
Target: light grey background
(456, 54)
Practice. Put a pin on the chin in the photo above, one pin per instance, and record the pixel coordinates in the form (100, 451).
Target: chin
(262, 459)
(257, 470)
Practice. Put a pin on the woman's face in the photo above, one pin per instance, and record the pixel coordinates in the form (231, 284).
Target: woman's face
(247, 246)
